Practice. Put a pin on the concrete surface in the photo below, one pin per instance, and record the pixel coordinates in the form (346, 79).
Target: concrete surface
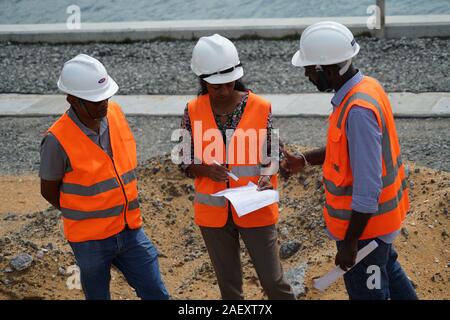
(404, 104)
(396, 26)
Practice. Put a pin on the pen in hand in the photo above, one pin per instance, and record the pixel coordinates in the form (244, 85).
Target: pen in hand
(228, 172)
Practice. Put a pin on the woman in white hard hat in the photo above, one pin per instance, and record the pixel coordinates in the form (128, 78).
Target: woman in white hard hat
(225, 111)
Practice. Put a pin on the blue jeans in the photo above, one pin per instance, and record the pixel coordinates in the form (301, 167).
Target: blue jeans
(379, 276)
(132, 253)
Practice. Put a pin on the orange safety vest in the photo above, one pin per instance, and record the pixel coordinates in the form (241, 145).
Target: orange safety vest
(243, 159)
(99, 196)
(393, 202)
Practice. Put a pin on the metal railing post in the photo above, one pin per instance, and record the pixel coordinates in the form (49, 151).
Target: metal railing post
(381, 33)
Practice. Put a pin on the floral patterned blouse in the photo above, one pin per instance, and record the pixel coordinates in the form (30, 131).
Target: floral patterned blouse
(230, 124)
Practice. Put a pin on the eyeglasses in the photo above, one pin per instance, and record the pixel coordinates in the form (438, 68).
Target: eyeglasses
(203, 76)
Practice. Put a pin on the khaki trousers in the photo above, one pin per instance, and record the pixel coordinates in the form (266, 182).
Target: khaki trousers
(261, 242)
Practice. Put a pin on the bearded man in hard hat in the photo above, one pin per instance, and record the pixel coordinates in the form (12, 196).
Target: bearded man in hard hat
(216, 120)
(88, 163)
(364, 178)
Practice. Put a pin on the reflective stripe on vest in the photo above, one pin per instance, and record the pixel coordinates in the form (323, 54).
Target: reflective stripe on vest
(128, 176)
(134, 204)
(387, 180)
(210, 200)
(383, 207)
(246, 171)
(83, 215)
(111, 212)
(100, 187)
(391, 170)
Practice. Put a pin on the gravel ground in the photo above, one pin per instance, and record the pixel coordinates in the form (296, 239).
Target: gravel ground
(425, 141)
(163, 67)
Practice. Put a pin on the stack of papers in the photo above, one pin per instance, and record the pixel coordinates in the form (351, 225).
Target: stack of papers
(247, 199)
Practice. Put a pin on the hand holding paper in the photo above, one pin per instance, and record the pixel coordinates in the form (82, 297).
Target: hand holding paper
(247, 199)
(325, 281)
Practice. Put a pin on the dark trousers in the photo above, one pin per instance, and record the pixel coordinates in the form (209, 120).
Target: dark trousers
(379, 276)
(224, 250)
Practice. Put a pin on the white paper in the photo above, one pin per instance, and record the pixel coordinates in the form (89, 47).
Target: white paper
(325, 281)
(247, 199)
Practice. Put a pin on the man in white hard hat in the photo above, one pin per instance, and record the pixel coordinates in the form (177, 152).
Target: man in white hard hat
(364, 178)
(88, 162)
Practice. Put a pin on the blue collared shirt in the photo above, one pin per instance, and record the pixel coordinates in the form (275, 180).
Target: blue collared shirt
(364, 147)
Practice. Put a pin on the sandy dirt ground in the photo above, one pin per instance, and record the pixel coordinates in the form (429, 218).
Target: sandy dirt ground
(27, 225)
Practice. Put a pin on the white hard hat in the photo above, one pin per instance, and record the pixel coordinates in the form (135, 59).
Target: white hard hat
(86, 78)
(325, 43)
(215, 60)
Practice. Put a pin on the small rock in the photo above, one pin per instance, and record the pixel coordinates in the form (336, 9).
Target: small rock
(311, 226)
(6, 281)
(21, 261)
(437, 277)
(306, 183)
(405, 232)
(155, 170)
(62, 271)
(51, 212)
(416, 170)
(40, 254)
(288, 249)
(296, 277)
(158, 204)
(172, 190)
(284, 232)
(188, 188)
(11, 217)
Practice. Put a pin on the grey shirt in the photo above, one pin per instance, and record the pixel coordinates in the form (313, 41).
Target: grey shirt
(54, 160)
